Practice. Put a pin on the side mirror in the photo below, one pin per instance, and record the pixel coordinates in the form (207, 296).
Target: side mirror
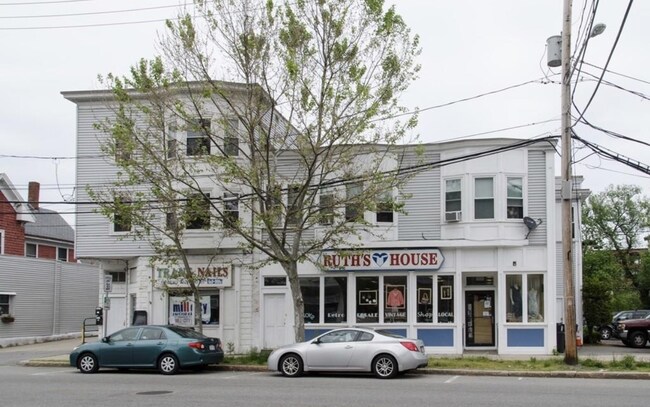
(316, 341)
(105, 339)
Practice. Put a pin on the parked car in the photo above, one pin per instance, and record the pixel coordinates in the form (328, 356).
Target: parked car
(608, 331)
(351, 350)
(634, 332)
(165, 347)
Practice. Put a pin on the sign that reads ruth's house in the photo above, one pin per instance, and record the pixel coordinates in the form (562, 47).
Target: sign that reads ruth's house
(382, 260)
(205, 276)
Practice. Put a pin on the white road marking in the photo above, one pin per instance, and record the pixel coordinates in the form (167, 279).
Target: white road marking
(451, 379)
(50, 372)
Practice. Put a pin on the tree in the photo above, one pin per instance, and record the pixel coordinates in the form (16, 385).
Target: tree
(616, 220)
(300, 100)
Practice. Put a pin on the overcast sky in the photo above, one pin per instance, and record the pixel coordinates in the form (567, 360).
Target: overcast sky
(469, 48)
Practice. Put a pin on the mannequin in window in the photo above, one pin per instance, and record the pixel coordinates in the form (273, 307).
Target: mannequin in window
(395, 298)
(533, 303)
(515, 299)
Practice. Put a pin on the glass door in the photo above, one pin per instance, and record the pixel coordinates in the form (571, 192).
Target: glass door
(479, 318)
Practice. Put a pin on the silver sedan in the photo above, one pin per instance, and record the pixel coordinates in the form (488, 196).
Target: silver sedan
(350, 350)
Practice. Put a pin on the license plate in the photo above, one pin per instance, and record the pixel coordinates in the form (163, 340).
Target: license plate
(212, 347)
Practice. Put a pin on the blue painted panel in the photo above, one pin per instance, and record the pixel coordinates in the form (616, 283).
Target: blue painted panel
(436, 337)
(533, 337)
(312, 333)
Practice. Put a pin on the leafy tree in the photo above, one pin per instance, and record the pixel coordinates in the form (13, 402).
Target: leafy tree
(616, 220)
(300, 100)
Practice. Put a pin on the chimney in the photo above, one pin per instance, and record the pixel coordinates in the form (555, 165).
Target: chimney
(33, 194)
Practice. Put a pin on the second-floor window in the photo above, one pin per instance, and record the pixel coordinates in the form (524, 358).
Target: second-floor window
(230, 210)
(198, 140)
(484, 198)
(452, 195)
(385, 208)
(515, 209)
(30, 250)
(231, 138)
(353, 206)
(121, 218)
(198, 212)
(62, 254)
(294, 214)
(326, 209)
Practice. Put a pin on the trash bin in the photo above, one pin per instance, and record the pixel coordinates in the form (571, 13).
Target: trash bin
(560, 338)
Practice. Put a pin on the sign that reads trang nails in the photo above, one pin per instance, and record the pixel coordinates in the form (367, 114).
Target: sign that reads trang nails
(382, 260)
(205, 276)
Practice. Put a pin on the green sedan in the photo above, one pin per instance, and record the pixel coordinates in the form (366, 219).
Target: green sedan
(167, 348)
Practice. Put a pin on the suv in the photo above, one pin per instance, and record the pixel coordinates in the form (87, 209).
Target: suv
(608, 331)
(634, 332)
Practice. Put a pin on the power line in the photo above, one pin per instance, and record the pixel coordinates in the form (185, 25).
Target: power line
(616, 73)
(43, 2)
(90, 13)
(86, 25)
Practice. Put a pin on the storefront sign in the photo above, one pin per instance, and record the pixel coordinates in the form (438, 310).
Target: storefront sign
(205, 276)
(382, 260)
(181, 310)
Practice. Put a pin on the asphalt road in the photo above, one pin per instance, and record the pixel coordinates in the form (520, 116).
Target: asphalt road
(30, 386)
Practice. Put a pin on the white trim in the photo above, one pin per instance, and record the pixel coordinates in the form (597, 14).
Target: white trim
(7, 293)
(2, 241)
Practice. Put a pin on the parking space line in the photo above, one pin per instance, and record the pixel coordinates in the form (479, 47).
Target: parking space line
(452, 379)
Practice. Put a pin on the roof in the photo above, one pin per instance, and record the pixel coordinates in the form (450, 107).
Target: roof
(23, 211)
(49, 225)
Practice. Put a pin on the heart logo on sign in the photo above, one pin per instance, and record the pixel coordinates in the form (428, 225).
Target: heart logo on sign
(380, 258)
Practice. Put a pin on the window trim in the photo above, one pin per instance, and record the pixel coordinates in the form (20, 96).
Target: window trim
(523, 196)
(352, 208)
(190, 133)
(492, 198)
(383, 201)
(2, 241)
(228, 198)
(11, 296)
(231, 139)
(445, 201)
(326, 214)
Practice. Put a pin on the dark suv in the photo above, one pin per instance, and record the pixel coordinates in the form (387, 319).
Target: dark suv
(608, 331)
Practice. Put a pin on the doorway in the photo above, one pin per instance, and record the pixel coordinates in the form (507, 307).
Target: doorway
(479, 318)
(275, 321)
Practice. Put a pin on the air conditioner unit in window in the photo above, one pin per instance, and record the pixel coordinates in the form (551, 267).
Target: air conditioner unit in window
(454, 216)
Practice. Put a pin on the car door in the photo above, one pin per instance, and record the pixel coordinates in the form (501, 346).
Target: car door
(147, 348)
(118, 349)
(364, 351)
(331, 351)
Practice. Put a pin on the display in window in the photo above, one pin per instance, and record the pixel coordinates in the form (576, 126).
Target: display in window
(514, 299)
(335, 299)
(424, 296)
(368, 297)
(445, 292)
(535, 298)
(425, 299)
(395, 296)
(445, 299)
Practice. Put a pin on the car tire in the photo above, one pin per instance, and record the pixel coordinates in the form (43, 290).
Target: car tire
(168, 364)
(606, 333)
(385, 367)
(638, 339)
(291, 365)
(87, 363)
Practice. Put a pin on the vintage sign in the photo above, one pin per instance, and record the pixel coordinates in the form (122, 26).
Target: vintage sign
(205, 276)
(382, 260)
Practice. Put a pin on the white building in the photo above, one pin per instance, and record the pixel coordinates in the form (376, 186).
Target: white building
(473, 263)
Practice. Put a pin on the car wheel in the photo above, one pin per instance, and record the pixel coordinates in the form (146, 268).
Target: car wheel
(384, 367)
(291, 365)
(638, 339)
(87, 363)
(606, 333)
(168, 364)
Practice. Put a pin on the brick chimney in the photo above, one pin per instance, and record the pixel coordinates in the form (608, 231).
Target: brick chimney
(33, 194)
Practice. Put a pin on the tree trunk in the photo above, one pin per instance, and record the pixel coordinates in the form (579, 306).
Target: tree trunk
(291, 269)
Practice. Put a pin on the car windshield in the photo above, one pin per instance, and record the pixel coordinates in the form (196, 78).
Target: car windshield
(187, 333)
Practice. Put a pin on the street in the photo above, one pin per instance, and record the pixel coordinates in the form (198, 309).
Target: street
(32, 386)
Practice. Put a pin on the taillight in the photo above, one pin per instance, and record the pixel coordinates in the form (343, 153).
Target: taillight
(196, 345)
(410, 346)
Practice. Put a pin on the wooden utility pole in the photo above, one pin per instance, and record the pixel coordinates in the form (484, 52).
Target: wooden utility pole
(570, 352)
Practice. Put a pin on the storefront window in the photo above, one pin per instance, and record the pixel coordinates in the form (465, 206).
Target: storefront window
(445, 299)
(335, 299)
(181, 309)
(310, 288)
(394, 299)
(513, 302)
(535, 298)
(367, 299)
(425, 299)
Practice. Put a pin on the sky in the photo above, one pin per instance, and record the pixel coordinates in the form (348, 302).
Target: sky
(469, 48)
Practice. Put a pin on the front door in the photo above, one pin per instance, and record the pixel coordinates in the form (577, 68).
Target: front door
(479, 318)
(275, 321)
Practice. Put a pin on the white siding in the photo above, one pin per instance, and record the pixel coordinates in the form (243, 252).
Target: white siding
(422, 218)
(537, 195)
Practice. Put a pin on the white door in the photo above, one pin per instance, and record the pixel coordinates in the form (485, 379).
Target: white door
(116, 315)
(275, 321)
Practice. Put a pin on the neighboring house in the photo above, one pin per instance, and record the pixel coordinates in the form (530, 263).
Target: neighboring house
(473, 263)
(43, 291)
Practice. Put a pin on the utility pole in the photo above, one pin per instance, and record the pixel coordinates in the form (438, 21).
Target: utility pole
(570, 352)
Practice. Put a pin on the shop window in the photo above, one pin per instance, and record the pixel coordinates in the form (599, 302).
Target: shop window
(62, 254)
(515, 209)
(30, 250)
(445, 299)
(484, 198)
(367, 299)
(230, 210)
(5, 304)
(514, 300)
(198, 140)
(231, 138)
(452, 195)
(385, 208)
(275, 281)
(353, 206)
(395, 306)
(535, 298)
(335, 301)
(213, 317)
(310, 289)
(425, 299)
(181, 309)
(198, 211)
(326, 209)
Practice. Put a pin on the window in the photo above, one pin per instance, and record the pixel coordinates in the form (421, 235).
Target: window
(30, 249)
(294, 214)
(529, 287)
(172, 148)
(198, 138)
(335, 301)
(122, 148)
(198, 211)
(5, 303)
(367, 299)
(326, 209)
(122, 216)
(515, 209)
(310, 289)
(445, 299)
(149, 334)
(425, 299)
(385, 208)
(484, 198)
(128, 334)
(211, 309)
(171, 221)
(395, 306)
(353, 206)
(275, 281)
(181, 309)
(231, 138)
(513, 301)
(118, 276)
(339, 336)
(535, 298)
(62, 254)
(230, 210)
(452, 195)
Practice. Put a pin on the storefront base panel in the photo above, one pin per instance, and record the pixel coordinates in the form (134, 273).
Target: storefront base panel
(436, 337)
(527, 338)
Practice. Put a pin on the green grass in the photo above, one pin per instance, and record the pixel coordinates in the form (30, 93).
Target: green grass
(625, 364)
